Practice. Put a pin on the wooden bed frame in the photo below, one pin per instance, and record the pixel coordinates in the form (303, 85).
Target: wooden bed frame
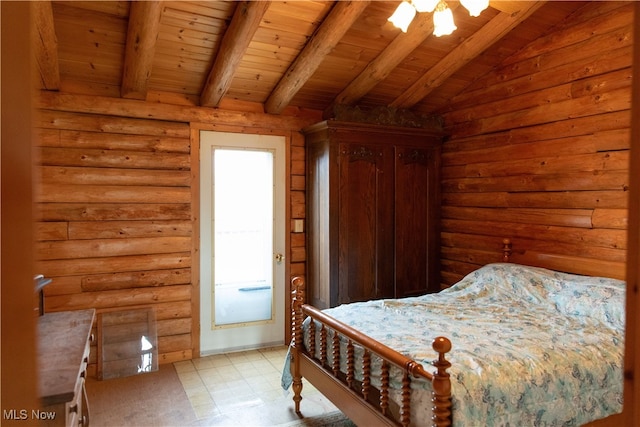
(359, 400)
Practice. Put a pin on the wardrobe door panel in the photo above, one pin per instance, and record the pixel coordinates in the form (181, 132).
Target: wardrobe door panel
(365, 222)
(415, 228)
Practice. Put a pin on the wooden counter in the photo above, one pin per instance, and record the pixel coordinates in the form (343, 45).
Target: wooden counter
(63, 354)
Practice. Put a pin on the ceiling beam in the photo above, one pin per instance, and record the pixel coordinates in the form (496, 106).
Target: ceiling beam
(142, 34)
(235, 42)
(378, 69)
(46, 45)
(327, 36)
(466, 51)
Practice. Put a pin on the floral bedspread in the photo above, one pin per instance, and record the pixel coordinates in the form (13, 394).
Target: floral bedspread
(530, 346)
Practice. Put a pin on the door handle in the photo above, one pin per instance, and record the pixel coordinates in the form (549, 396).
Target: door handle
(279, 257)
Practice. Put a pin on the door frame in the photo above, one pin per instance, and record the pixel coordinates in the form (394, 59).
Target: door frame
(195, 129)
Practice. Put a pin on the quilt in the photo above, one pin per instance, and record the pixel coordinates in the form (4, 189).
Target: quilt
(531, 346)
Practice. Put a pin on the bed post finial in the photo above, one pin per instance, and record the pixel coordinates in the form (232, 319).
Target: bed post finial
(441, 384)
(506, 250)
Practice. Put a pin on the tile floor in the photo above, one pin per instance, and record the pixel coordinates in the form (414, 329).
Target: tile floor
(244, 389)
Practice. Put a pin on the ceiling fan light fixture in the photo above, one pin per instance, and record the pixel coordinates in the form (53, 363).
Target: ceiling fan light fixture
(475, 7)
(443, 20)
(424, 5)
(403, 16)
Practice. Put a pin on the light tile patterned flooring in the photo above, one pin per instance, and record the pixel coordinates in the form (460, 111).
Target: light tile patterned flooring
(243, 388)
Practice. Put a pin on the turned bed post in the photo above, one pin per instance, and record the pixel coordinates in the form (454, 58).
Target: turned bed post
(441, 384)
(297, 299)
(506, 250)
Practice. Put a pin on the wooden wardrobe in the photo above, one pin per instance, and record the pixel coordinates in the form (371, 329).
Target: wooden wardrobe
(373, 200)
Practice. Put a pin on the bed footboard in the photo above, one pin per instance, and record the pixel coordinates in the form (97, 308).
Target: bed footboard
(358, 398)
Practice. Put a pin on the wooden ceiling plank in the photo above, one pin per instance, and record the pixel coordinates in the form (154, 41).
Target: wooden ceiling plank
(466, 51)
(330, 32)
(235, 42)
(389, 58)
(142, 35)
(46, 45)
(509, 6)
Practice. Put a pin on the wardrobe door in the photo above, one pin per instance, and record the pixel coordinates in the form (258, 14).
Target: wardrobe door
(416, 230)
(365, 222)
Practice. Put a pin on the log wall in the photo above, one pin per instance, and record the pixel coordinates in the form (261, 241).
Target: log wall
(117, 211)
(539, 153)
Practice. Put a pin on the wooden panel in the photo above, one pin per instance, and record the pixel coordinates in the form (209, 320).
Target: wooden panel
(416, 194)
(366, 221)
(539, 153)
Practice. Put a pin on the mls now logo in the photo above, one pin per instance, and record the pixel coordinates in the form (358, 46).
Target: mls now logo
(23, 414)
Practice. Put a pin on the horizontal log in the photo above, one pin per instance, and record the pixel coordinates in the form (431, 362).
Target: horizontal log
(483, 242)
(297, 269)
(98, 248)
(178, 113)
(297, 199)
(128, 229)
(617, 139)
(611, 218)
(298, 240)
(170, 327)
(547, 200)
(556, 67)
(297, 152)
(527, 98)
(297, 167)
(459, 268)
(125, 331)
(298, 254)
(113, 211)
(119, 298)
(580, 218)
(448, 279)
(572, 264)
(111, 141)
(606, 122)
(550, 163)
(173, 343)
(51, 231)
(135, 279)
(616, 100)
(605, 238)
(105, 158)
(493, 243)
(82, 119)
(85, 266)
(63, 285)
(470, 256)
(175, 356)
(601, 19)
(596, 181)
(113, 176)
(70, 193)
(298, 182)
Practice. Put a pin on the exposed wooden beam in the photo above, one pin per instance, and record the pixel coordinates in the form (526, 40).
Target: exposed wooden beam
(389, 58)
(46, 45)
(144, 25)
(466, 51)
(235, 42)
(330, 32)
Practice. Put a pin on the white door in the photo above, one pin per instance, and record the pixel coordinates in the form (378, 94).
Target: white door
(242, 241)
